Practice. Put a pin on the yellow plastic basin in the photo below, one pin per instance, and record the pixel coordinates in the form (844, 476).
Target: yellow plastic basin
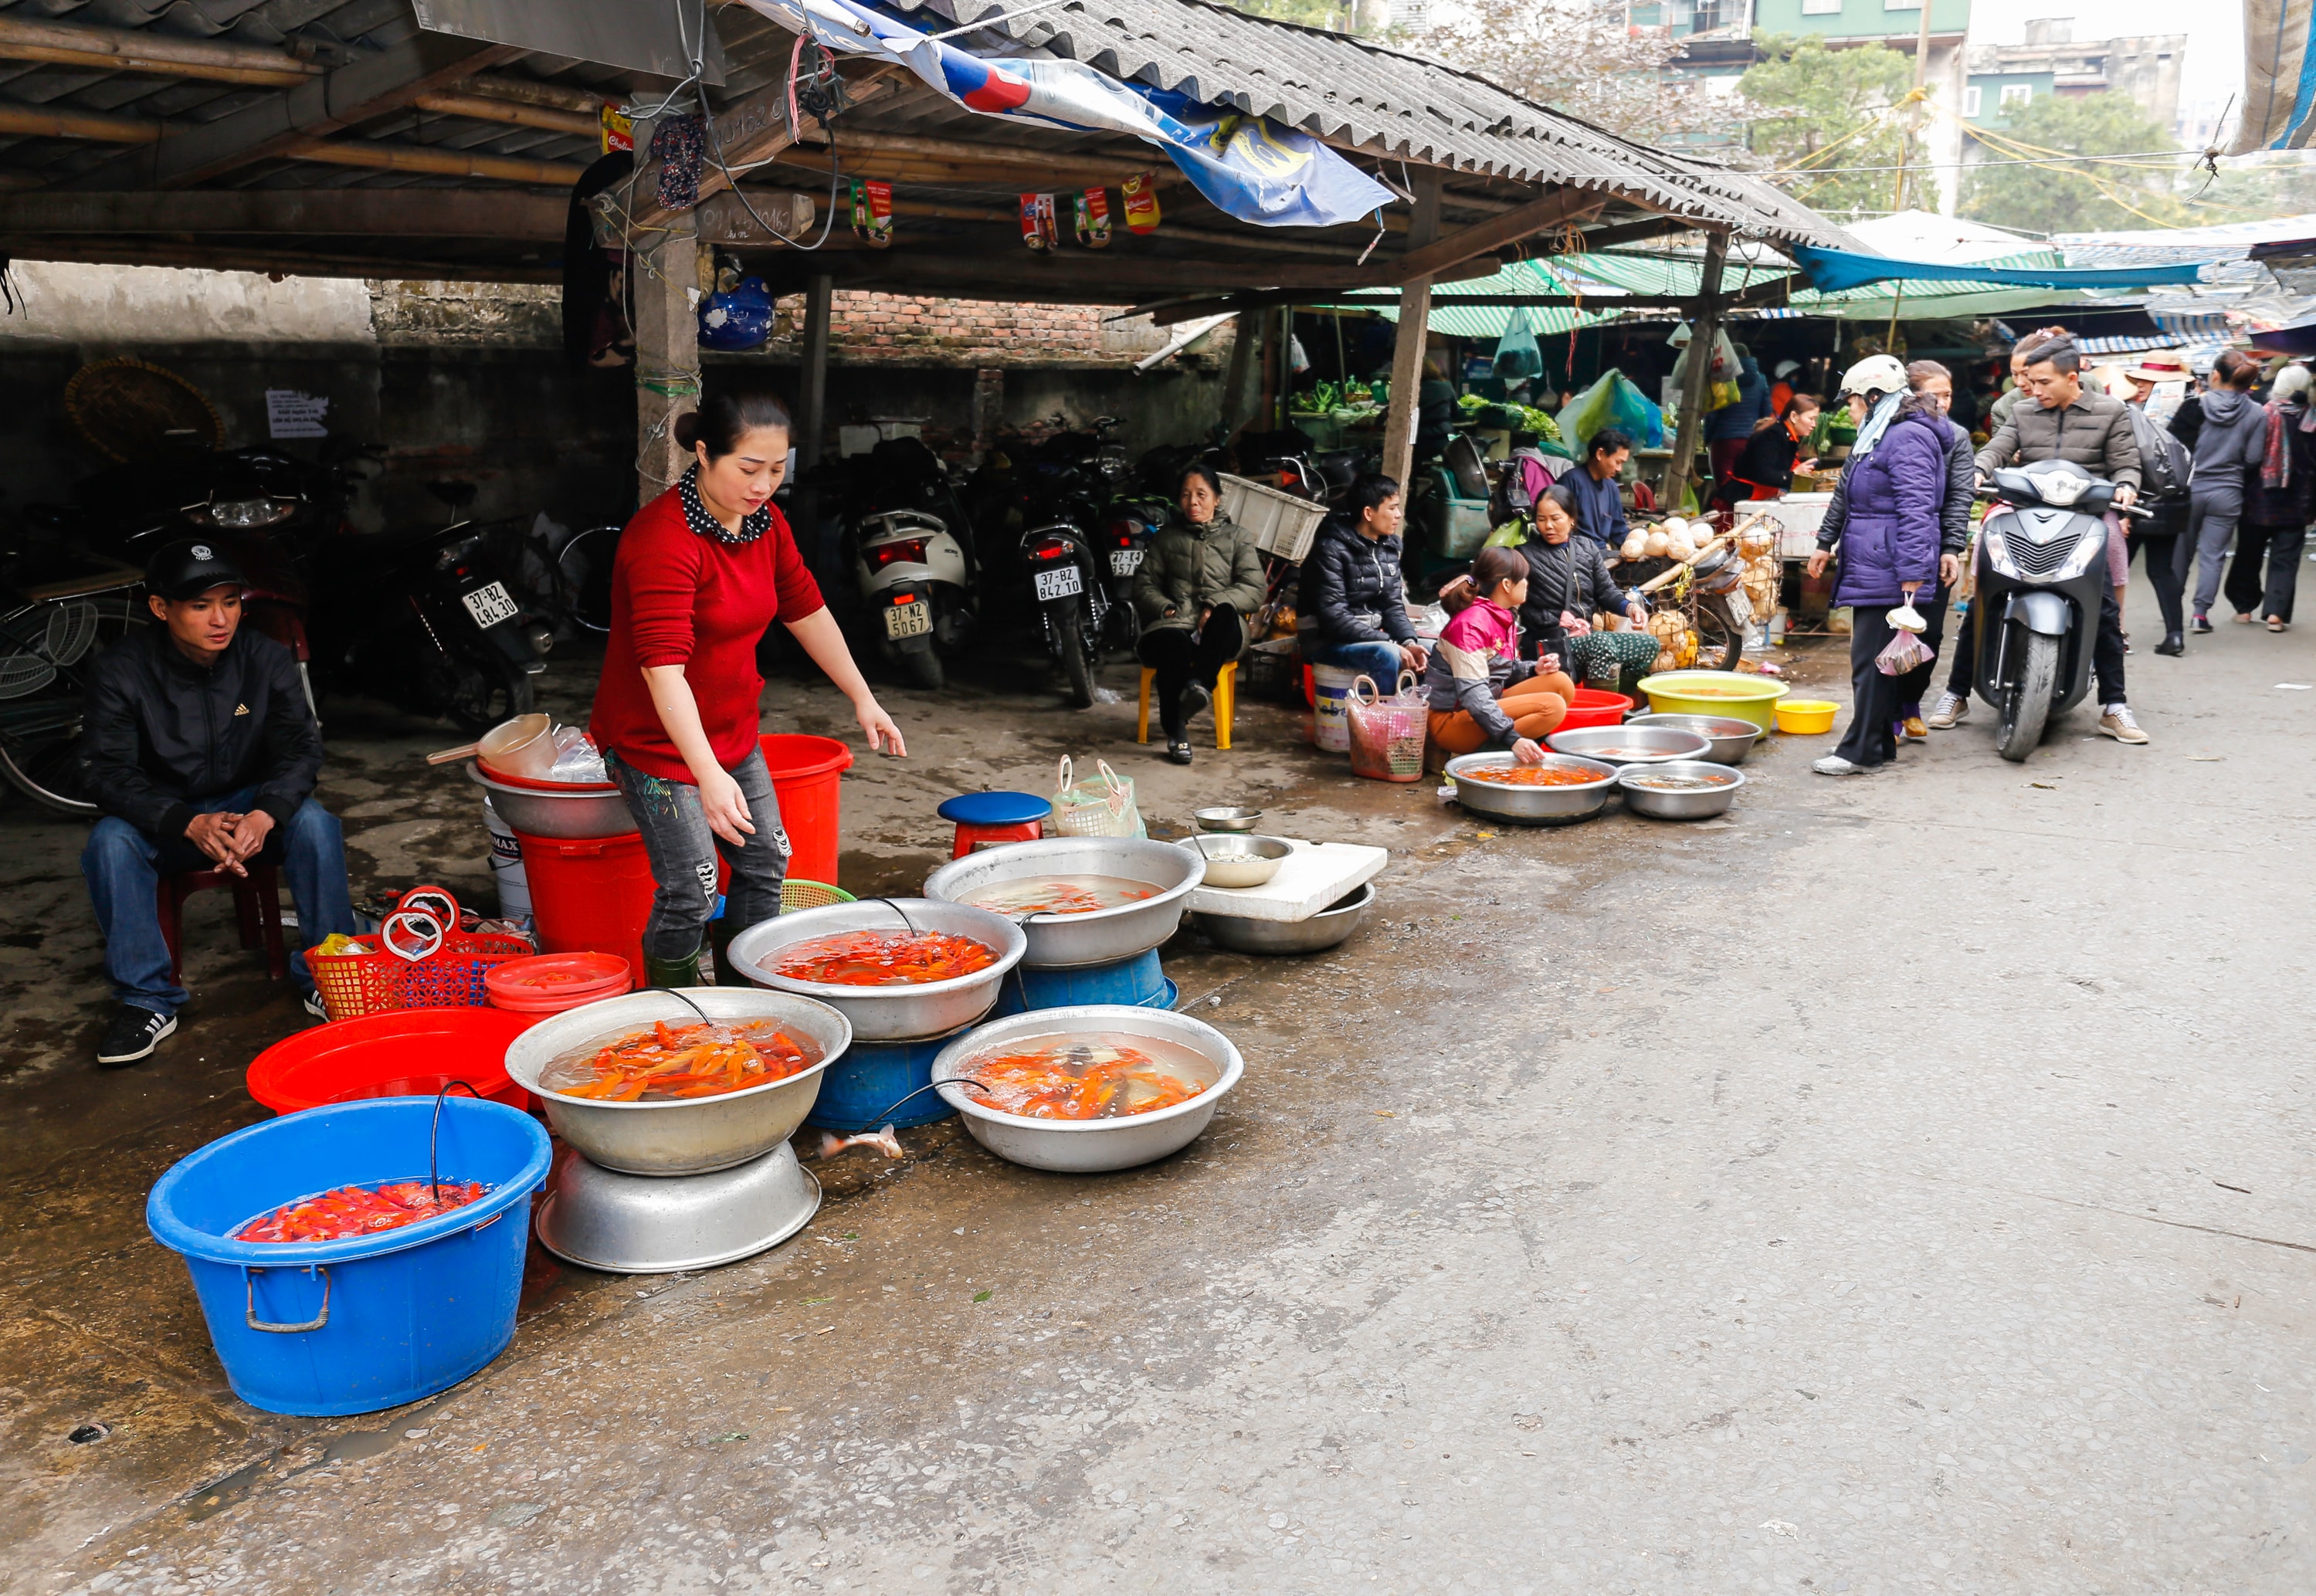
(1732, 693)
(1806, 716)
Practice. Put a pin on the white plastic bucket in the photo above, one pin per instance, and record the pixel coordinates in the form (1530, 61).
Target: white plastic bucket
(506, 867)
(1332, 685)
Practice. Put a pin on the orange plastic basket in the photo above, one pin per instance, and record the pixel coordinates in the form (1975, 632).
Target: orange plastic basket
(377, 981)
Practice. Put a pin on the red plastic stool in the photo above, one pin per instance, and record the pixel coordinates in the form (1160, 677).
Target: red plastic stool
(985, 819)
(257, 905)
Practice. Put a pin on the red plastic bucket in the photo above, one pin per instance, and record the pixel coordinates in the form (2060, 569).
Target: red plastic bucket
(806, 776)
(554, 982)
(589, 895)
(1595, 707)
(405, 1053)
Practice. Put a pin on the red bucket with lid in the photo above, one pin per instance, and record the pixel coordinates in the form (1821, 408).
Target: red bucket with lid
(551, 982)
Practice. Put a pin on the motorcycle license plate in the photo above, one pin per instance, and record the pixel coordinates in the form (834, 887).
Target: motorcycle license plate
(912, 620)
(1063, 583)
(490, 605)
(1124, 562)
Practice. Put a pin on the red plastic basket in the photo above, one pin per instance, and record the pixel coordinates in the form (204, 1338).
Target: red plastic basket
(376, 981)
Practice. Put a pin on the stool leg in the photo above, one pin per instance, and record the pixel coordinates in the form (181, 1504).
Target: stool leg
(265, 889)
(1142, 713)
(1225, 704)
(245, 913)
(169, 907)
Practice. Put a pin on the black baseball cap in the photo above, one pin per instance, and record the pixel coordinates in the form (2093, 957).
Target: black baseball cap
(190, 568)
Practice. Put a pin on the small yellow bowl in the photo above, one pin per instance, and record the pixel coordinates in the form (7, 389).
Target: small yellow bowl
(1806, 715)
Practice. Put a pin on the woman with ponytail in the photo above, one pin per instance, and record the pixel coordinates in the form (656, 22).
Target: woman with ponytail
(702, 571)
(1484, 695)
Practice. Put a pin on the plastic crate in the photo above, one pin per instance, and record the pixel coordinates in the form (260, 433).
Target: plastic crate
(1281, 523)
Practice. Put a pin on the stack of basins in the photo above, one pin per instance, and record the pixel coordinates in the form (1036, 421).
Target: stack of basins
(898, 1026)
(683, 1183)
(552, 982)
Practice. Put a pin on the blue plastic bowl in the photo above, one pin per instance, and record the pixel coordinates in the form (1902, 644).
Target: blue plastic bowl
(350, 1327)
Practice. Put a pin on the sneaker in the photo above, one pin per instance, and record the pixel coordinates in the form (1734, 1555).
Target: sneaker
(1950, 711)
(1196, 701)
(1913, 729)
(1833, 764)
(313, 1004)
(2117, 723)
(133, 1035)
(2201, 625)
(1179, 750)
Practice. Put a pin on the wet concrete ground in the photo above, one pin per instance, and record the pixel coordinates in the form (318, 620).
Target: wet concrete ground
(1901, 1186)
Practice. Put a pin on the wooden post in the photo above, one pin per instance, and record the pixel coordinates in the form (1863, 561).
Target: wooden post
(1408, 346)
(1697, 378)
(667, 346)
(1246, 335)
(812, 382)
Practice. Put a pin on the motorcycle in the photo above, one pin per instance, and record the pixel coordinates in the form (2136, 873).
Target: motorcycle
(1080, 557)
(2041, 577)
(911, 557)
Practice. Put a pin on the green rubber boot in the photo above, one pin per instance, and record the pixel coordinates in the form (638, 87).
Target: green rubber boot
(720, 934)
(672, 972)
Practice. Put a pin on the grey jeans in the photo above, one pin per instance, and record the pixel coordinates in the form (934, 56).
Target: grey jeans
(683, 852)
(2212, 517)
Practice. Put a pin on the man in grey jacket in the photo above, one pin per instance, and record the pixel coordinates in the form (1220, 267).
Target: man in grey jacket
(2063, 423)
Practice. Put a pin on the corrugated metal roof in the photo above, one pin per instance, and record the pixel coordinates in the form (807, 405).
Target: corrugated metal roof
(1387, 102)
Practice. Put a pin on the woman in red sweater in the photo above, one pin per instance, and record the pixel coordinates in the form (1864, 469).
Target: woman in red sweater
(702, 571)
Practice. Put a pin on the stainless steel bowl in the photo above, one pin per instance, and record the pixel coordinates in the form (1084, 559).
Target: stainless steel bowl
(574, 816)
(1681, 805)
(888, 1014)
(1226, 819)
(635, 1226)
(1727, 741)
(697, 1134)
(1532, 806)
(1329, 928)
(1239, 860)
(1083, 1146)
(1104, 936)
(1645, 744)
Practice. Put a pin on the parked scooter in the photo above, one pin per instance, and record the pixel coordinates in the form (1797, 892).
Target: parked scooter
(913, 557)
(1079, 557)
(2042, 574)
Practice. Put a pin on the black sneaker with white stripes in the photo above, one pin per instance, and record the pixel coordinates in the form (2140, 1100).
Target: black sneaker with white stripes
(133, 1035)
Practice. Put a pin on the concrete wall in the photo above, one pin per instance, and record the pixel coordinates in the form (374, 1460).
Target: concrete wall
(468, 381)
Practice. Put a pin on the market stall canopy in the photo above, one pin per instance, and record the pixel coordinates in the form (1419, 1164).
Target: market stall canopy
(2279, 107)
(1833, 270)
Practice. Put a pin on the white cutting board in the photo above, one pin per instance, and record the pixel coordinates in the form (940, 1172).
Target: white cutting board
(1313, 877)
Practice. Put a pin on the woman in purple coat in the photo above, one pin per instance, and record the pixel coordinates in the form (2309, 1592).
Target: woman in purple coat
(1896, 485)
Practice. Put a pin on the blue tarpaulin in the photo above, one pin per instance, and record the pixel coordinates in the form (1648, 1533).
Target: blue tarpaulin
(1831, 271)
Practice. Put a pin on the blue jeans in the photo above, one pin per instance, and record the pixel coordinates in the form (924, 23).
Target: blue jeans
(1379, 661)
(124, 867)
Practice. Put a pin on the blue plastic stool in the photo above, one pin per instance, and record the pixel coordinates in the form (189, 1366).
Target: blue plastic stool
(983, 819)
(1139, 982)
(860, 1088)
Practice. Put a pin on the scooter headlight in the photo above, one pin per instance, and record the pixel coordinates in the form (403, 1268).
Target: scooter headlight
(2090, 546)
(1998, 552)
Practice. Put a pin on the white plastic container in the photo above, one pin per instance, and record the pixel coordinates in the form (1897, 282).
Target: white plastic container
(506, 867)
(1279, 522)
(1330, 727)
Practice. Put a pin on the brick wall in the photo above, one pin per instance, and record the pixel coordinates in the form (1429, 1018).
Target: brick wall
(904, 330)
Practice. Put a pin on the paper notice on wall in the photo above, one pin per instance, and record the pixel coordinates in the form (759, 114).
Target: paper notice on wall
(289, 414)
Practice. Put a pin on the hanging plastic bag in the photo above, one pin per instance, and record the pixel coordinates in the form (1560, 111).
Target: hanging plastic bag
(1101, 807)
(1902, 654)
(1518, 355)
(1907, 618)
(1612, 402)
(1387, 733)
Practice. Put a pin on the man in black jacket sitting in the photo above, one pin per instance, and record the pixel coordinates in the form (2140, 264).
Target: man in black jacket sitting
(202, 751)
(1351, 607)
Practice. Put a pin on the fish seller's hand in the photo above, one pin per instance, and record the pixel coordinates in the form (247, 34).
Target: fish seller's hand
(249, 833)
(727, 808)
(1527, 752)
(884, 736)
(212, 833)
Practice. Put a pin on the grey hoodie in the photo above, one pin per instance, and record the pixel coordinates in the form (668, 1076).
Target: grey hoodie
(2231, 445)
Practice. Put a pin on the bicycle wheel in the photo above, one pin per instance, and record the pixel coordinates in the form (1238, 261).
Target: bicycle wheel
(40, 729)
(585, 565)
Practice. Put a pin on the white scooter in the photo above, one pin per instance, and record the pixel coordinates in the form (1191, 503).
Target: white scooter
(916, 585)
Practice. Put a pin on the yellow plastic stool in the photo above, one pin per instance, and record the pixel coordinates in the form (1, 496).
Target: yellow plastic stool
(1225, 705)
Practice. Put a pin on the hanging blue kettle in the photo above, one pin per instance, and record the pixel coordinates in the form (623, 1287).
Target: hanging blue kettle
(740, 319)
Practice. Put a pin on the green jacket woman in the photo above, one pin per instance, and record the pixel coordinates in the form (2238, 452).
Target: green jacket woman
(1202, 577)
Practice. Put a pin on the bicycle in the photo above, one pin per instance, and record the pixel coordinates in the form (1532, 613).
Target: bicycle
(50, 635)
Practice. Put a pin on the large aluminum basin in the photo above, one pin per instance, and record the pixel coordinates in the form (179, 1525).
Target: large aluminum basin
(888, 1014)
(1102, 936)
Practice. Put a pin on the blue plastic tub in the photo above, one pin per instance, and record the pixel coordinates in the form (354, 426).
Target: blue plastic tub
(857, 1089)
(1139, 982)
(352, 1327)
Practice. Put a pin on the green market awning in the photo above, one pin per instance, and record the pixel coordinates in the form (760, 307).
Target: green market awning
(1831, 271)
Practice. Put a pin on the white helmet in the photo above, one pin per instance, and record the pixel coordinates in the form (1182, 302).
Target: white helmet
(1876, 373)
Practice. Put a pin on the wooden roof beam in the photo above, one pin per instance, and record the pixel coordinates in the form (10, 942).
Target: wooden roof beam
(483, 107)
(1561, 209)
(245, 256)
(314, 213)
(138, 49)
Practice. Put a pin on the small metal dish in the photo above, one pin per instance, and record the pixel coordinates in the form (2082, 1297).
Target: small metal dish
(1700, 805)
(1239, 860)
(1633, 744)
(1329, 927)
(1226, 819)
(1727, 740)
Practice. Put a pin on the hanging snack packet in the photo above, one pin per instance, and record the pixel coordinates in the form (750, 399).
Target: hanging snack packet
(1141, 203)
(1093, 218)
(872, 212)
